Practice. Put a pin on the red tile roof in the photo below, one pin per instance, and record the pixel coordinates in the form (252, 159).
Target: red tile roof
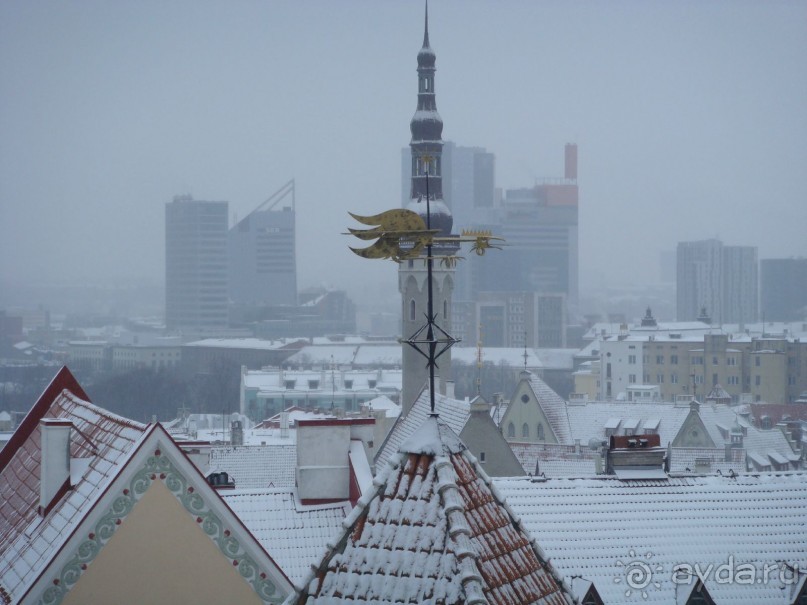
(434, 529)
(27, 543)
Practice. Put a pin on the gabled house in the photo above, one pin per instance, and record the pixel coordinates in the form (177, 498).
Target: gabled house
(95, 508)
(433, 530)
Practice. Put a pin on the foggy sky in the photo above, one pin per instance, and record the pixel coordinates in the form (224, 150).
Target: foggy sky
(691, 121)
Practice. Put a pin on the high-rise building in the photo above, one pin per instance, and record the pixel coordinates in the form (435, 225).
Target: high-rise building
(426, 187)
(195, 265)
(720, 280)
(783, 289)
(262, 261)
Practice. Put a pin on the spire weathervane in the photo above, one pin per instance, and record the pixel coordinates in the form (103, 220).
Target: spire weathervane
(405, 234)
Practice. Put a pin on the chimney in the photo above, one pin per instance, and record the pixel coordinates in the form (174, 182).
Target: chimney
(323, 466)
(284, 425)
(450, 389)
(54, 472)
(236, 433)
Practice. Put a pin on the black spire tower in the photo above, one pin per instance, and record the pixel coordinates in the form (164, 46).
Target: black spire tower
(426, 286)
(427, 143)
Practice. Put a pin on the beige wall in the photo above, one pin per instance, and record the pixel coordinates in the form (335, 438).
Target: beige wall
(520, 412)
(160, 555)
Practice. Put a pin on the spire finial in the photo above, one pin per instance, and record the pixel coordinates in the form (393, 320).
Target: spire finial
(426, 28)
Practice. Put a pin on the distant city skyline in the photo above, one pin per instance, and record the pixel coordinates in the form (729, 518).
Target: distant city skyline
(690, 120)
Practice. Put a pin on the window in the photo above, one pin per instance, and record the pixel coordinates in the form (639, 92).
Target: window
(540, 432)
(674, 378)
(715, 360)
(731, 361)
(756, 380)
(660, 378)
(511, 430)
(412, 310)
(674, 359)
(697, 360)
(660, 359)
(734, 380)
(525, 431)
(714, 380)
(646, 378)
(632, 378)
(632, 359)
(445, 309)
(482, 457)
(525, 398)
(757, 361)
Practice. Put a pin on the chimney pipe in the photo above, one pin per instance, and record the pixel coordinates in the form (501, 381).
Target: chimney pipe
(54, 471)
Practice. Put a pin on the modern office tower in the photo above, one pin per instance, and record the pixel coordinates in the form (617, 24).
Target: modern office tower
(740, 284)
(262, 264)
(722, 280)
(513, 319)
(426, 168)
(195, 265)
(783, 289)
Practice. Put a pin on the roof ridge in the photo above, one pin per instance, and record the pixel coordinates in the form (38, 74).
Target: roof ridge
(104, 413)
(459, 530)
(516, 521)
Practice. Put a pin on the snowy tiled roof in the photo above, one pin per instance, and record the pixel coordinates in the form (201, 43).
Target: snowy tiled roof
(293, 534)
(256, 466)
(706, 460)
(433, 530)
(385, 355)
(257, 344)
(554, 408)
(603, 528)
(554, 460)
(453, 412)
(27, 543)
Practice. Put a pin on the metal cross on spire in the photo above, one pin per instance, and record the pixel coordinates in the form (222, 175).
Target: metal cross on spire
(403, 235)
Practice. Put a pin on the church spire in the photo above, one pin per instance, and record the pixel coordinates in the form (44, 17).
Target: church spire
(426, 28)
(427, 142)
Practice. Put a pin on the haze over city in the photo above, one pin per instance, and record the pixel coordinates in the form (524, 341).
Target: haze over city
(690, 120)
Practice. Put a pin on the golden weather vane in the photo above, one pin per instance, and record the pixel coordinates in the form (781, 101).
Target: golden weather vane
(401, 234)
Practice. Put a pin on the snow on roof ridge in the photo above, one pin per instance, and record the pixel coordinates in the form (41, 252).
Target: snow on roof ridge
(516, 521)
(434, 437)
(106, 414)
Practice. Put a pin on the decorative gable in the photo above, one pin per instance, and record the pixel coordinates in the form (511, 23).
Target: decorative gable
(693, 432)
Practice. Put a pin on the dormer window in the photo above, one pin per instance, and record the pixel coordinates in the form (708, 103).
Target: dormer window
(348, 383)
(289, 383)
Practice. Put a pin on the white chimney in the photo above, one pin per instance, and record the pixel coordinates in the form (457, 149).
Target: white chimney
(284, 425)
(54, 470)
(450, 389)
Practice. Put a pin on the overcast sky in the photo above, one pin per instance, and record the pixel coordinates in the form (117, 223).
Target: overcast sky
(691, 121)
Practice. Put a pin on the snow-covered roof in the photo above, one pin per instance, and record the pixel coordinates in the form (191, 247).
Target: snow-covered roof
(602, 529)
(452, 411)
(292, 533)
(256, 466)
(554, 408)
(257, 344)
(553, 460)
(113, 462)
(28, 544)
(433, 530)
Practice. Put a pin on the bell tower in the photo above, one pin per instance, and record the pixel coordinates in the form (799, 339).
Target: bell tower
(427, 148)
